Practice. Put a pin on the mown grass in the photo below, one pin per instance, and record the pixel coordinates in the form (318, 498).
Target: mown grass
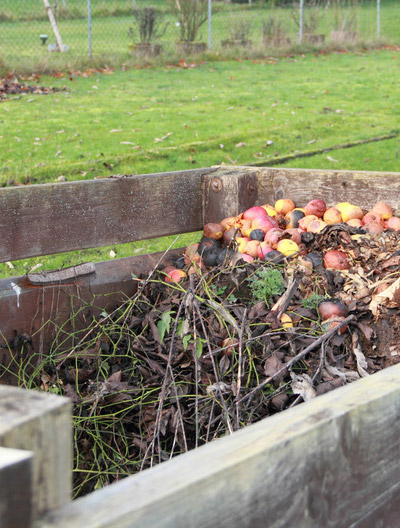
(21, 47)
(160, 119)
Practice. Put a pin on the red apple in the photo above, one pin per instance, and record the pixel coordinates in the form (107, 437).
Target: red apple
(254, 212)
(214, 231)
(336, 259)
(273, 236)
(393, 223)
(384, 209)
(371, 216)
(316, 207)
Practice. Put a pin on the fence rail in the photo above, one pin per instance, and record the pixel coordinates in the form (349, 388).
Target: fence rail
(115, 27)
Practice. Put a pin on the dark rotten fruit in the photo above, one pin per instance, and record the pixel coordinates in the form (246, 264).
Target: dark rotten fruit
(275, 257)
(257, 234)
(292, 218)
(332, 307)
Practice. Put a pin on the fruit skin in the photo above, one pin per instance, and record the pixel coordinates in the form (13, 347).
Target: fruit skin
(342, 205)
(372, 216)
(336, 259)
(265, 224)
(286, 321)
(214, 231)
(273, 236)
(294, 234)
(393, 223)
(374, 228)
(284, 206)
(287, 247)
(332, 322)
(316, 226)
(384, 209)
(232, 343)
(175, 275)
(351, 211)
(306, 221)
(292, 218)
(354, 222)
(315, 207)
(254, 212)
(251, 248)
(275, 257)
(332, 216)
(332, 307)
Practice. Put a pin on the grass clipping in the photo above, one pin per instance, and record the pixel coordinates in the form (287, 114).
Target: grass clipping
(182, 363)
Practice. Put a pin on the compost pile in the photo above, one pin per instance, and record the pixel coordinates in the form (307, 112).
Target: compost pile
(12, 86)
(271, 308)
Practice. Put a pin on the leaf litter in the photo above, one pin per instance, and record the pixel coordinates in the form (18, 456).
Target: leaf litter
(180, 364)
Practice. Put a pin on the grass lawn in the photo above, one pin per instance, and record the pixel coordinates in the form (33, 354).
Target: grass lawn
(168, 118)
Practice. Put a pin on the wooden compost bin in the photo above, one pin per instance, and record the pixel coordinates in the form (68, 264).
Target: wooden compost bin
(331, 462)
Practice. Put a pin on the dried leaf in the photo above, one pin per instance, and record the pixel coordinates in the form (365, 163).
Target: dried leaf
(389, 298)
(302, 385)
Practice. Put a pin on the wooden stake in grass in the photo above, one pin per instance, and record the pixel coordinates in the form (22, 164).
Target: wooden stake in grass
(53, 23)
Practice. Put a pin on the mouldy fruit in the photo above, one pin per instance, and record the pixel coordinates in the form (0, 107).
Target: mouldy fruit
(316, 207)
(315, 258)
(292, 218)
(175, 275)
(294, 234)
(332, 307)
(284, 206)
(210, 255)
(229, 222)
(372, 216)
(374, 228)
(332, 216)
(273, 236)
(214, 231)
(274, 257)
(384, 209)
(316, 226)
(336, 259)
(257, 234)
(287, 247)
(306, 221)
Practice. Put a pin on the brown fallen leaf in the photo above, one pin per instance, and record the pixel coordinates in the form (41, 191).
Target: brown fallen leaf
(390, 298)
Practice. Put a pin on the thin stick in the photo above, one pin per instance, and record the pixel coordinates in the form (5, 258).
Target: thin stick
(239, 374)
(299, 356)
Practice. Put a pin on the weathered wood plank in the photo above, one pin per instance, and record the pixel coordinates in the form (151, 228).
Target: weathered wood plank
(52, 218)
(15, 488)
(36, 313)
(359, 187)
(330, 462)
(41, 423)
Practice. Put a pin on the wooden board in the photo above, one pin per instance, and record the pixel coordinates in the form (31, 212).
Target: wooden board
(48, 219)
(331, 462)
(53, 218)
(40, 422)
(35, 313)
(15, 488)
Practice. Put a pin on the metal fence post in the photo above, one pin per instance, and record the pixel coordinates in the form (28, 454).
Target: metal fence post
(378, 22)
(301, 21)
(89, 11)
(209, 24)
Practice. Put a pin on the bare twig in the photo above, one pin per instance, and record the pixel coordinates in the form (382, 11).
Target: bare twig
(298, 357)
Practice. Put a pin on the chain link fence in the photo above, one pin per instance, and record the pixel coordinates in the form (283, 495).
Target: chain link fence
(120, 28)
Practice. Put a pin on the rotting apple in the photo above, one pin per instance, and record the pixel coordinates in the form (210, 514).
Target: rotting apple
(336, 259)
(315, 207)
(175, 275)
(384, 209)
(393, 223)
(333, 322)
(230, 344)
(292, 218)
(287, 247)
(351, 211)
(372, 216)
(332, 307)
(284, 206)
(273, 236)
(354, 222)
(254, 212)
(316, 226)
(332, 216)
(374, 228)
(213, 230)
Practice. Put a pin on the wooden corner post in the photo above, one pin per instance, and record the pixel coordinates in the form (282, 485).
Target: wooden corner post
(39, 423)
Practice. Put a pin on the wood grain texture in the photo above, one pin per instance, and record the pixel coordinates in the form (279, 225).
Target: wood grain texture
(53, 218)
(41, 423)
(331, 462)
(359, 187)
(15, 488)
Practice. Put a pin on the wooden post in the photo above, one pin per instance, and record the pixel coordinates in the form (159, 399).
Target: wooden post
(53, 23)
(15, 488)
(39, 422)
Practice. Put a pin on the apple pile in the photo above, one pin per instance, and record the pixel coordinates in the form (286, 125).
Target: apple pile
(273, 233)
